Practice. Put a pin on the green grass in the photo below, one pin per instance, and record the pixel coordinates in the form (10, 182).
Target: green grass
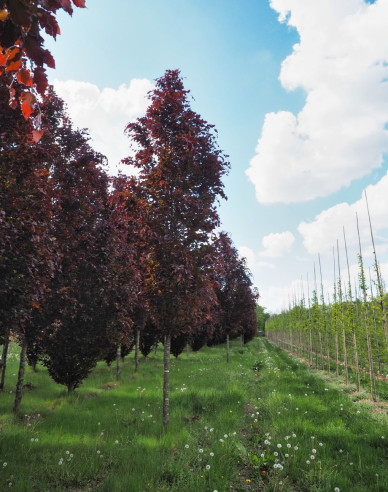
(109, 436)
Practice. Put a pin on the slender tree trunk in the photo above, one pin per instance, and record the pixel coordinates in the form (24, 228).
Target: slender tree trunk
(71, 389)
(187, 348)
(19, 384)
(4, 362)
(358, 382)
(370, 358)
(155, 347)
(310, 347)
(166, 381)
(242, 339)
(345, 352)
(118, 362)
(137, 349)
(336, 353)
(227, 348)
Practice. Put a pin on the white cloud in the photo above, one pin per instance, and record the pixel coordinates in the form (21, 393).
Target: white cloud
(339, 135)
(277, 244)
(253, 260)
(278, 298)
(105, 113)
(320, 235)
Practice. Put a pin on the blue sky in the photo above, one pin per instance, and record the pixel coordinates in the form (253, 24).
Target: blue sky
(297, 91)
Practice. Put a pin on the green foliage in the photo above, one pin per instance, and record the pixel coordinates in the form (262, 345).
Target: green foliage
(262, 316)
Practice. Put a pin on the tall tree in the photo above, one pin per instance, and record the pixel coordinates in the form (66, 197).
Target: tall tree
(27, 252)
(180, 175)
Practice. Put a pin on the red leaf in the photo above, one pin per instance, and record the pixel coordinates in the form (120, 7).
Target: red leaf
(24, 77)
(14, 66)
(48, 59)
(28, 100)
(36, 135)
(49, 22)
(3, 58)
(79, 3)
(13, 103)
(40, 79)
(66, 5)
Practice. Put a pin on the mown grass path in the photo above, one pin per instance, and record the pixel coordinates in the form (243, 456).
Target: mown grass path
(232, 428)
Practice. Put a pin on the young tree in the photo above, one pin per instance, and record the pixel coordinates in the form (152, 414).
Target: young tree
(236, 299)
(180, 175)
(78, 310)
(262, 316)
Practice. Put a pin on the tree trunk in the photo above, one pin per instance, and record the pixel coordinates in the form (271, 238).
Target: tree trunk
(166, 381)
(71, 389)
(242, 339)
(227, 348)
(356, 364)
(19, 384)
(4, 362)
(336, 353)
(137, 349)
(118, 362)
(310, 347)
(187, 348)
(345, 353)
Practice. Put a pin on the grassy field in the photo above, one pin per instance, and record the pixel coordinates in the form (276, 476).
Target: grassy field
(262, 422)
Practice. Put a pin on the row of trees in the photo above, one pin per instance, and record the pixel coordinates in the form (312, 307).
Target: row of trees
(347, 329)
(91, 266)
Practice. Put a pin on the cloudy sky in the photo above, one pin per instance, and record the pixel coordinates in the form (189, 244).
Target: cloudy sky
(298, 91)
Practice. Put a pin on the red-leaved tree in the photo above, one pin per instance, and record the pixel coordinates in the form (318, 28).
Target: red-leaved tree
(236, 296)
(27, 253)
(180, 176)
(23, 58)
(79, 309)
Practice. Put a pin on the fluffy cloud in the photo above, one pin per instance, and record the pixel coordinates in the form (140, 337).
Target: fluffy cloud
(340, 134)
(320, 235)
(278, 298)
(105, 113)
(253, 260)
(277, 244)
